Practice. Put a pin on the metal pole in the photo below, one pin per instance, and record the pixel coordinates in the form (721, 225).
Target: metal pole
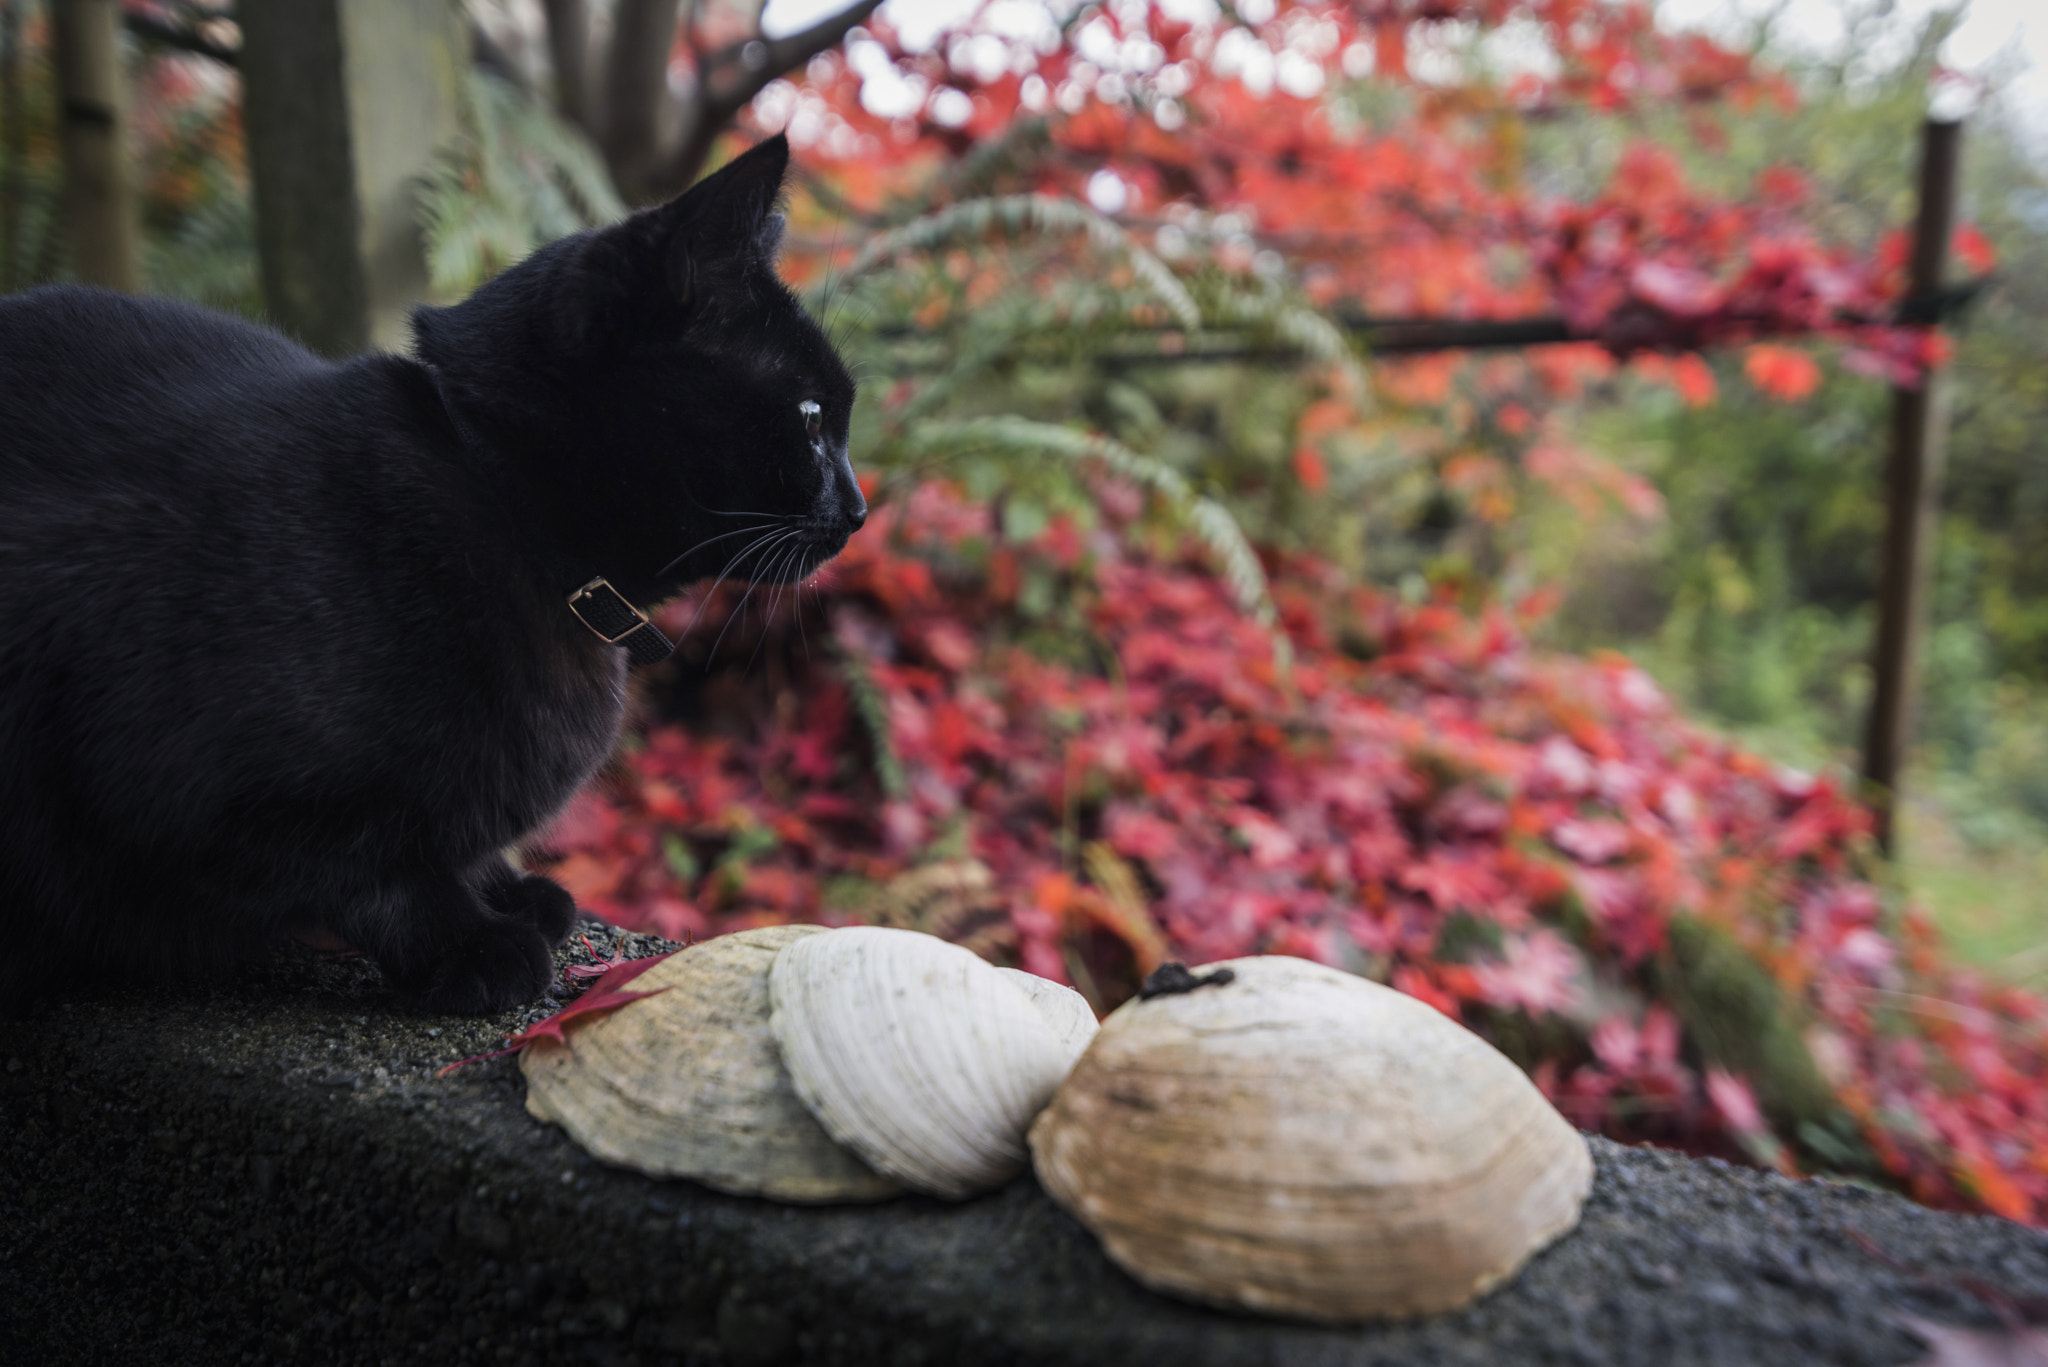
(1912, 499)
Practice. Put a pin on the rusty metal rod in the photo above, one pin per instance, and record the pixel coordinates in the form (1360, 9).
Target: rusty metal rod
(1912, 501)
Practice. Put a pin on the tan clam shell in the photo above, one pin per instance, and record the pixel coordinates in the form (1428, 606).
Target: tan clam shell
(689, 1083)
(915, 1054)
(1304, 1142)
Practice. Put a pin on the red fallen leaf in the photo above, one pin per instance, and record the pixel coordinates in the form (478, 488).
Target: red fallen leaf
(593, 970)
(1536, 975)
(1416, 984)
(588, 877)
(600, 998)
(1592, 842)
(1780, 371)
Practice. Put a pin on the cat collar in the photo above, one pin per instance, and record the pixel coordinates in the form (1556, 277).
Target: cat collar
(617, 622)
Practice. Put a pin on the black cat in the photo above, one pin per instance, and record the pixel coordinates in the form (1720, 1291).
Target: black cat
(287, 644)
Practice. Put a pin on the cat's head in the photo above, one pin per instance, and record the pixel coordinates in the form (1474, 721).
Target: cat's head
(682, 410)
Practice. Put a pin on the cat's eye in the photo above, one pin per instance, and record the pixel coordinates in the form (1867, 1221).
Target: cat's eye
(813, 416)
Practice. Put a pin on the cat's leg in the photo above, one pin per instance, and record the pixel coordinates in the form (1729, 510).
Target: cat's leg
(447, 949)
(529, 897)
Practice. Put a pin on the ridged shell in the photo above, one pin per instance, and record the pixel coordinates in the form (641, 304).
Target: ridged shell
(1304, 1142)
(915, 1054)
(1067, 1011)
(689, 1083)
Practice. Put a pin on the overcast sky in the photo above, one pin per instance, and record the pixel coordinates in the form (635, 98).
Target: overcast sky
(2004, 39)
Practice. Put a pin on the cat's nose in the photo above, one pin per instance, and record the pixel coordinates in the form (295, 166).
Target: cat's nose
(852, 505)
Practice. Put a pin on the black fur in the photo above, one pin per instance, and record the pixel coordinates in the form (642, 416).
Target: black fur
(284, 644)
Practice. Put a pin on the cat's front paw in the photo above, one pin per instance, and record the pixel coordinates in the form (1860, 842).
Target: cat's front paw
(540, 902)
(499, 966)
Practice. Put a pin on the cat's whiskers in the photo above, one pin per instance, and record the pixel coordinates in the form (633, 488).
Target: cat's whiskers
(712, 592)
(751, 586)
(738, 611)
(712, 541)
(810, 585)
(774, 604)
(834, 291)
(837, 331)
(734, 512)
(784, 574)
(797, 582)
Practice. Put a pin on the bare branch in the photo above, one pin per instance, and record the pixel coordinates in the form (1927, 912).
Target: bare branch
(165, 34)
(730, 77)
(745, 69)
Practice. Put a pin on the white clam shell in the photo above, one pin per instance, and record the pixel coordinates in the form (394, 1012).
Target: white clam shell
(1304, 1142)
(915, 1054)
(1067, 1011)
(688, 1083)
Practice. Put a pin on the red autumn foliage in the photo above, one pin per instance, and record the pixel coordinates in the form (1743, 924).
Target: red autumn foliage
(1226, 129)
(1780, 371)
(1424, 798)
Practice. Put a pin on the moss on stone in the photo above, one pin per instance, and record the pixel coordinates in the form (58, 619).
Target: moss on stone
(1740, 1019)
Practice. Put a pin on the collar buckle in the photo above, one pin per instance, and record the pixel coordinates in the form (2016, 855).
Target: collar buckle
(616, 622)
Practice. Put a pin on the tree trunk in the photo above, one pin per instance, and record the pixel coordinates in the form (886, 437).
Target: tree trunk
(13, 146)
(346, 103)
(636, 91)
(655, 143)
(99, 194)
(569, 54)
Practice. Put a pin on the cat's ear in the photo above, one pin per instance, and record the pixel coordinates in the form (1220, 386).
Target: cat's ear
(608, 283)
(768, 242)
(727, 221)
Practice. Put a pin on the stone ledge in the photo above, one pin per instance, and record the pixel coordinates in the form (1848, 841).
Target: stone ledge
(270, 1172)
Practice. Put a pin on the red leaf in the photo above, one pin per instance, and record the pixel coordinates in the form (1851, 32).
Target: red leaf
(596, 1001)
(1780, 371)
(1309, 469)
(1536, 975)
(1974, 250)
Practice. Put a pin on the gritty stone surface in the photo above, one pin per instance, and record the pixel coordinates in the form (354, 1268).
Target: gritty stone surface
(271, 1172)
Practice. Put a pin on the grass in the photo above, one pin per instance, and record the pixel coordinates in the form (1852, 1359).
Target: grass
(1969, 855)
(1991, 903)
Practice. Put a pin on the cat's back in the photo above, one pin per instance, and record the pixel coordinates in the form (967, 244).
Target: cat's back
(88, 377)
(54, 327)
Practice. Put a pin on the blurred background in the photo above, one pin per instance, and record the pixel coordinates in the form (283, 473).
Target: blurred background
(1399, 481)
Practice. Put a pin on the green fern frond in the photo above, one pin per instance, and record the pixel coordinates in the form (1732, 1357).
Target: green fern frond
(1013, 436)
(517, 177)
(872, 707)
(1267, 308)
(1021, 215)
(565, 176)
(996, 332)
